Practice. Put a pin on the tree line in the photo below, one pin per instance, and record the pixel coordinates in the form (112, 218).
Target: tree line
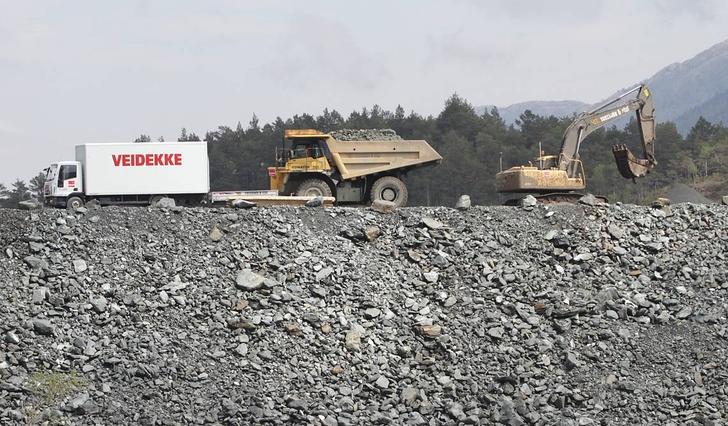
(474, 147)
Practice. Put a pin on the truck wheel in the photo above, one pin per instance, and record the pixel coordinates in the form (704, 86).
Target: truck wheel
(389, 188)
(74, 203)
(313, 188)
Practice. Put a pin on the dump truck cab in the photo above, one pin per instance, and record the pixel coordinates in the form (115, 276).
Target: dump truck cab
(302, 157)
(313, 163)
(303, 151)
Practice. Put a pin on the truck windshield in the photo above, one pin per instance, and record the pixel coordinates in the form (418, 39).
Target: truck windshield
(67, 172)
(308, 149)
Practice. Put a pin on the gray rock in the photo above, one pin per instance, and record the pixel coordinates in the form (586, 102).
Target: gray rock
(43, 326)
(353, 339)
(243, 204)
(164, 203)
(372, 313)
(382, 382)
(324, 273)
(430, 331)
(12, 338)
(589, 200)
(463, 202)
(248, 280)
(242, 349)
(456, 411)
(39, 295)
(615, 231)
(99, 304)
(409, 395)
(432, 223)
(216, 234)
(724, 199)
(529, 201)
(297, 404)
(496, 332)
(79, 265)
(431, 277)
(583, 257)
(384, 207)
(571, 361)
(317, 201)
(372, 232)
(684, 313)
(35, 262)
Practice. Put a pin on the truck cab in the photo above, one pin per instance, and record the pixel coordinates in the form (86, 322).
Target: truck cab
(64, 184)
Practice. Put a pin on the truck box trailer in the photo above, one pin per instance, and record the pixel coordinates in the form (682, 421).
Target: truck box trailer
(130, 173)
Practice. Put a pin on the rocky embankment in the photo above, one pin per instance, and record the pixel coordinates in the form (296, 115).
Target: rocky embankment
(571, 315)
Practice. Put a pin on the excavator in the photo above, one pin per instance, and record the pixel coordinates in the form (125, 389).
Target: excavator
(556, 178)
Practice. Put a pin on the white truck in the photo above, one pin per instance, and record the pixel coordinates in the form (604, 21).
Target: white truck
(130, 173)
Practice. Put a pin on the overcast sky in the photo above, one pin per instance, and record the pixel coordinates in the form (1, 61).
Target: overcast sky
(98, 71)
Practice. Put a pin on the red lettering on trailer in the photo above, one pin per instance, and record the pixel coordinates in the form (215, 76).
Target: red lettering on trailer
(127, 160)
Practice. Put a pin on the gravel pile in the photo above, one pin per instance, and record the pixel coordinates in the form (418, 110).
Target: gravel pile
(572, 315)
(681, 193)
(365, 135)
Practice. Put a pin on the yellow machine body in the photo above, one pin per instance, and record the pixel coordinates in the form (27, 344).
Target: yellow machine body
(529, 179)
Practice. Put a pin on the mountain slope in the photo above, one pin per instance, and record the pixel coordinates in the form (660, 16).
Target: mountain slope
(714, 110)
(683, 92)
(691, 85)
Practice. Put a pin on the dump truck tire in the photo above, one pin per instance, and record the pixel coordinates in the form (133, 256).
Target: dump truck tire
(389, 188)
(313, 188)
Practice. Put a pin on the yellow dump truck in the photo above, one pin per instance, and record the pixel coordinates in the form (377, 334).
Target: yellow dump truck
(313, 163)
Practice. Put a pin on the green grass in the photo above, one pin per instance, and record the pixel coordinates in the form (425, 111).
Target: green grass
(52, 387)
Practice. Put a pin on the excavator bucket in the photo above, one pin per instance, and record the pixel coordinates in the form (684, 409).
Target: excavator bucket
(630, 166)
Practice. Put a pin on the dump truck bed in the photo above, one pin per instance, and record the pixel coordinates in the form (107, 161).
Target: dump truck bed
(359, 158)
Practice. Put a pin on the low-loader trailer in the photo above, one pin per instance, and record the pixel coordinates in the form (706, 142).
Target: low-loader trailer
(312, 164)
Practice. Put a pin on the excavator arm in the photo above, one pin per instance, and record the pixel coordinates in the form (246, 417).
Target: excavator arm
(629, 166)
